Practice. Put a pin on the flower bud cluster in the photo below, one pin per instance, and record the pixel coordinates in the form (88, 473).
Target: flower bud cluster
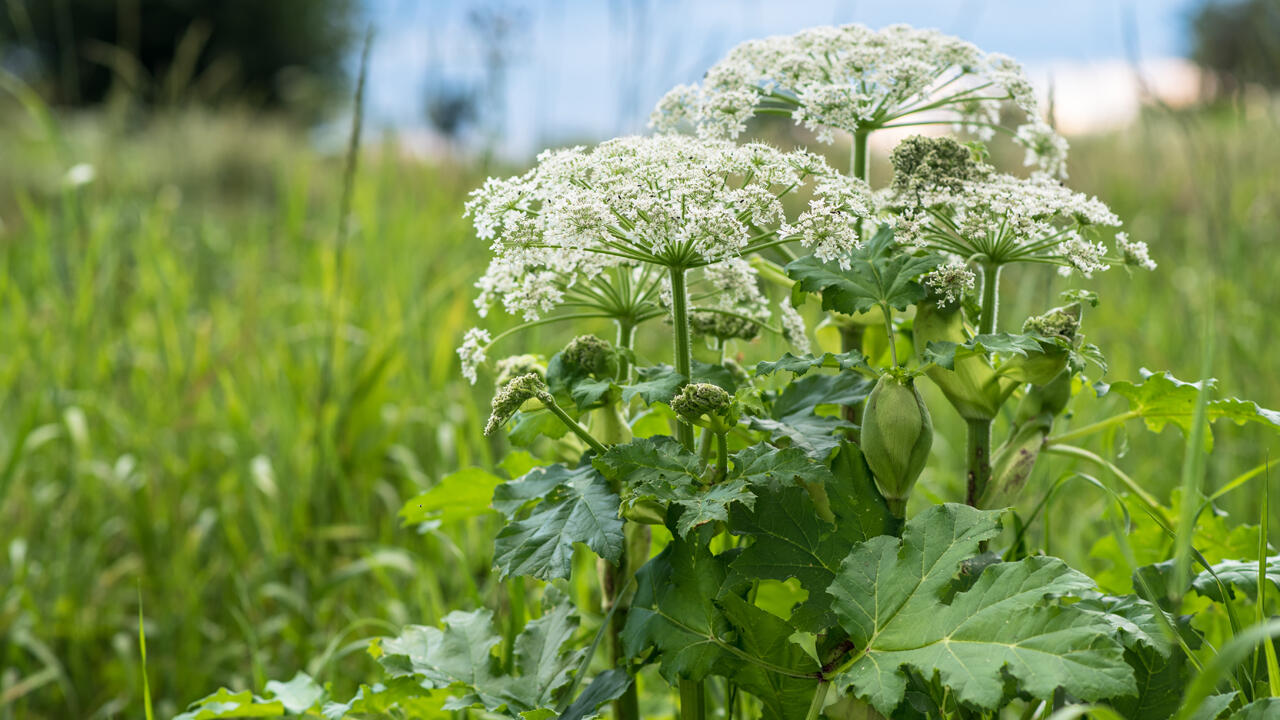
(512, 396)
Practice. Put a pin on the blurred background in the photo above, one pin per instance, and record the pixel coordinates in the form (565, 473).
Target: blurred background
(217, 387)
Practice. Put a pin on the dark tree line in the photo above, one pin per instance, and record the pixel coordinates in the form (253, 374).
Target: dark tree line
(265, 52)
(1239, 42)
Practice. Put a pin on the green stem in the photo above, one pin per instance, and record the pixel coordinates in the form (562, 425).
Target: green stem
(978, 459)
(626, 341)
(851, 340)
(693, 700)
(683, 354)
(1087, 430)
(819, 699)
(990, 298)
(722, 455)
(888, 328)
(860, 161)
(573, 425)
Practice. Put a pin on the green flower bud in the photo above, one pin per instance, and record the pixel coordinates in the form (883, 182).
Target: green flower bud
(1060, 322)
(923, 163)
(591, 355)
(513, 395)
(510, 368)
(735, 369)
(698, 399)
(897, 433)
(722, 326)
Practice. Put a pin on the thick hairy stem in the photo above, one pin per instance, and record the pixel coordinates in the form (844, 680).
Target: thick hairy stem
(860, 162)
(851, 339)
(978, 459)
(990, 298)
(626, 341)
(722, 455)
(626, 707)
(573, 425)
(683, 354)
(693, 700)
(819, 699)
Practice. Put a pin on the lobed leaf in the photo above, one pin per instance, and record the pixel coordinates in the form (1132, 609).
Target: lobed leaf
(888, 595)
(879, 273)
(564, 507)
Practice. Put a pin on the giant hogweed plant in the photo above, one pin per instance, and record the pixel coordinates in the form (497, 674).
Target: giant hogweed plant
(754, 550)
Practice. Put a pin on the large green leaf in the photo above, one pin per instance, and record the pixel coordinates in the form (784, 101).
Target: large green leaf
(1236, 575)
(579, 508)
(660, 469)
(405, 695)
(794, 537)
(660, 383)
(944, 354)
(461, 657)
(674, 610)
(809, 392)
(879, 273)
(1161, 399)
(804, 363)
(1006, 628)
(460, 495)
(1259, 710)
(226, 704)
(811, 433)
(766, 636)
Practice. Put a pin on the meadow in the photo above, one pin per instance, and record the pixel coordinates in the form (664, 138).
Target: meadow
(212, 407)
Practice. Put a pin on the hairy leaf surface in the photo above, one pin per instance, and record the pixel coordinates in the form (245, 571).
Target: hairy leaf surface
(888, 595)
(576, 506)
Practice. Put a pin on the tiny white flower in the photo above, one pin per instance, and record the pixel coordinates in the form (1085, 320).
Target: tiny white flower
(952, 281)
(80, 174)
(473, 352)
(1135, 252)
(793, 327)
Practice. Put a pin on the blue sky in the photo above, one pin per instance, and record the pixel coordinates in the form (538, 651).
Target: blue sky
(582, 69)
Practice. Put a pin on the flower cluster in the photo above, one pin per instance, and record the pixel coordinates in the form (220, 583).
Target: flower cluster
(852, 78)
(793, 328)
(946, 201)
(951, 282)
(512, 396)
(666, 200)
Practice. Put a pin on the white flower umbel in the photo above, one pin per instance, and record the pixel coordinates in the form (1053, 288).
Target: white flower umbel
(951, 281)
(671, 201)
(1134, 252)
(998, 219)
(857, 80)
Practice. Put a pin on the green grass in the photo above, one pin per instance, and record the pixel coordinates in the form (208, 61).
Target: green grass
(164, 334)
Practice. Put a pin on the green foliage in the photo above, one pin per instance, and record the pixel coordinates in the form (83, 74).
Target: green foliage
(880, 274)
(1161, 399)
(889, 597)
(556, 509)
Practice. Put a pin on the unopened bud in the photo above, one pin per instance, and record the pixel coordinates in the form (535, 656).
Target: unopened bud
(897, 434)
(513, 395)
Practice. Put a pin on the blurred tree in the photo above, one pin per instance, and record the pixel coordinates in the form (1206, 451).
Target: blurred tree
(1239, 42)
(267, 52)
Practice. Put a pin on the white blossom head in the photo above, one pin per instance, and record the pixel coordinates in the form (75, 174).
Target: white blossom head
(673, 201)
(961, 207)
(951, 282)
(852, 78)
